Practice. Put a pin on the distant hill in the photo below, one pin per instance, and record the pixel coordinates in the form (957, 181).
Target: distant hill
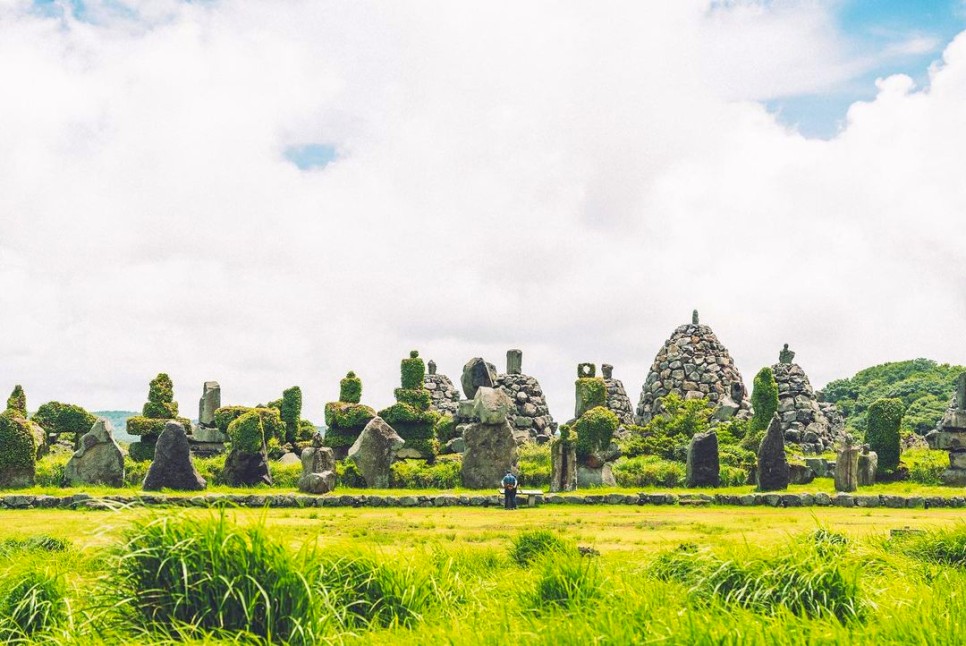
(118, 419)
(924, 386)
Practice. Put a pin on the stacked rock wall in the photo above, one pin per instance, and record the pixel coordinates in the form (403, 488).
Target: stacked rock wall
(532, 414)
(803, 420)
(445, 397)
(617, 400)
(692, 364)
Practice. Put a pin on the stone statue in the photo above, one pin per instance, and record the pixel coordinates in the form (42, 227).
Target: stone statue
(514, 362)
(786, 356)
(694, 318)
(607, 370)
(432, 367)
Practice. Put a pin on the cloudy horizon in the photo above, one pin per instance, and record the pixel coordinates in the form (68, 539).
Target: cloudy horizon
(273, 193)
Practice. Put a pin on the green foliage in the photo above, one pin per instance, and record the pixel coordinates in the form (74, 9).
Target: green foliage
(924, 387)
(946, 546)
(925, 466)
(343, 416)
(649, 471)
(17, 401)
(530, 546)
(140, 452)
(347, 474)
(445, 429)
(419, 399)
(36, 543)
(592, 391)
(18, 449)
(160, 410)
(307, 430)
(413, 372)
(291, 413)
(247, 433)
(885, 418)
(228, 414)
(534, 466)
(764, 400)
(161, 390)
(667, 435)
(568, 582)
(418, 474)
(595, 429)
(145, 426)
(271, 419)
(60, 419)
(33, 607)
(350, 389)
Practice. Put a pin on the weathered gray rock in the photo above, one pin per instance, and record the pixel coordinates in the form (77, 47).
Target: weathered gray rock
(847, 469)
(563, 461)
(172, 467)
(514, 362)
(530, 414)
(602, 476)
(318, 470)
(951, 436)
(444, 396)
(772, 469)
(209, 403)
(289, 459)
(703, 468)
(491, 405)
(805, 420)
(491, 451)
(800, 474)
(456, 445)
(244, 469)
(374, 451)
(868, 463)
(98, 461)
(617, 400)
(477, 373)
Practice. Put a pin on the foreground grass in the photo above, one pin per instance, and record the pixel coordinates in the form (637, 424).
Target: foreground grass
(472, 575)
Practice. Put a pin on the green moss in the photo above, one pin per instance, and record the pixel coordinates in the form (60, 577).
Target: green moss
(344, 416)
(271, 419)
(350, 389)
(17, 401)
(401, 413)
(291, 412)
(161, 390)
(59, 419)
(306, 430)
(247, 433)
(885, 417)
(413, 371)
(145, 426)
(591, 392)
(445, 429)
(595, 429)
(228, 414)
(160, 410)
(140, 452)
(764, 400)
(18, 449)
(419, 399)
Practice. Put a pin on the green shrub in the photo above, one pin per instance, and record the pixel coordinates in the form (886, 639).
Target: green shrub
(445, 429)
(161, 390)
(925, 466)
(413, 372)
(141, 452)
(50, 470)
(344, 416)
(418, 474)
(764, 399)
(307, 430)
(64, 419)
(32, 607)
(285, 476)
(885, 417)
(347, 474)
(592, 391)
(17, 401)
(160, 410)
(350, 389)
(136, 467)
(18, 449)
(649, 471)
(420, 399)
(595, 429)
(735, 456)
(668, 434)
(529, 546)
(291, 412)
(271, 419)
(247, 433)
(228, 414)
(732, 476)
(533, 465)
(145, 426)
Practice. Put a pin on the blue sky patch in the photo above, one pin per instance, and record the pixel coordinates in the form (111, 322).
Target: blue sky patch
(311, 156)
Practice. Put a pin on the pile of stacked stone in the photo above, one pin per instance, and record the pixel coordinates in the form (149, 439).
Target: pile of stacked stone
(157, 412)
(411, 416)
(491, 449)
(206, 440)
(443, 394)
(952, 436)
(693, 364)
(617, 400)
(346, 418)
(803, 421)
(594, 426)
(530, 412)
(18, 444)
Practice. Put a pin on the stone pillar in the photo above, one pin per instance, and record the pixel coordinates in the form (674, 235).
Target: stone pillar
(209, 403)
(847, 469)
(961, 392)
(586, 370)
(514, 362)
(607, 370)
(432, 367)
(952, 436)
(868, 463)
(703, 468)
(563, 458)
(695, 320)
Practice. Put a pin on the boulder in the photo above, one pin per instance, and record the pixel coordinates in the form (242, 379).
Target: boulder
(703, 466)
(98, 461)
(244, 469)
(563, 461)
(868, 463)
(800, 474)
(172, 467)
(772, 463)
(847, 469)
(596, 477)
(491, 406)
(289, 458)
(374, 451)
(318, 470)
(725, 410)
(491, 451)
(477, 373)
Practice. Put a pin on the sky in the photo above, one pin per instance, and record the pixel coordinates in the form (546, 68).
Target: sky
(276, 192)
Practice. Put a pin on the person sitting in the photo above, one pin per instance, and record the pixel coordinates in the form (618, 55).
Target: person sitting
(509, 491)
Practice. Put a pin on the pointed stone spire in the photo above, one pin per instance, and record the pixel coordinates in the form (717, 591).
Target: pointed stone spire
(695, 320)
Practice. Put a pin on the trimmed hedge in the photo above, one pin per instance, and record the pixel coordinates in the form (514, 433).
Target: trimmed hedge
(160, 410)
(18, 449)
(17, 401)
(345, 416)
(145, 426)
(419, 398)
(413, 371)
(291, 412)
(161, 390)
(225, 415)
(885, 417)
(140, 452)
(306, 430)
(350, 389)
(247, 433)
(595, 430)
(401, 413)
(764, 400)
(58, 418)
(271, 420)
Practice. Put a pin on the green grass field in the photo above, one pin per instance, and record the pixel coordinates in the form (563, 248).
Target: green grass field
(449, 575)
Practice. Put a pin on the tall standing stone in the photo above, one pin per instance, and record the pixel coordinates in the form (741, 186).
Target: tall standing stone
(98, 461)
(514, 362)
(773, 472)
(172, 467)
(491, 449)
(952, 436)
(591, 390)
(209, 403)
(374, 452)
(318, 470)
(868, 463)
(563, 462)
(703, 467)
(847, 469)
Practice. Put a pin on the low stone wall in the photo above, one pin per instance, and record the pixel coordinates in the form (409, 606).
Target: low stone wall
(295, 501)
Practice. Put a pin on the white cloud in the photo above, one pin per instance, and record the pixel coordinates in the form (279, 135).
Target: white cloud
(563, 178)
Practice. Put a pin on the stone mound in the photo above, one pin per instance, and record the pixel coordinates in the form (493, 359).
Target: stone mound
(531, 413)
(617, 400)
(692, 364)
(445, 398)
(803, 420)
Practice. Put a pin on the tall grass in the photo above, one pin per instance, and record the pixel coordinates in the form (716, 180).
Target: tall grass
(532, 545)
(946, 546)
(33, 606)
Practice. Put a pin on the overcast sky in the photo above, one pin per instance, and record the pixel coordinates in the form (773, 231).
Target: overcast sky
(273, 193)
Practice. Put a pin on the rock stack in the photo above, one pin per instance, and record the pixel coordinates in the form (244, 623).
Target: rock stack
(98, 461)
(803, 421)
(617, 400)
(531, 414)
(692, 364)
(346, 418)
(157, 412)
(491, 450)
(444, 396)
(411, 416)
(205, 439)
(952, 436)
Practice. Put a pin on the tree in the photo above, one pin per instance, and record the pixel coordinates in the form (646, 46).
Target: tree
(18, 401)
(291, 411)
(885, 417)
(764, 399)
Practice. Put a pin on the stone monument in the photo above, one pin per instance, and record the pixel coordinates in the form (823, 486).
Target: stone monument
(98, 461)
(346, 418)
(491, 449)
(952, 436)
(530, 417)
(773, 472)
(318, 469)
(445, 398)
(374, 452)
(172, 467)
(847, 467)
(703, 467)
(804, 420)
(617, 400)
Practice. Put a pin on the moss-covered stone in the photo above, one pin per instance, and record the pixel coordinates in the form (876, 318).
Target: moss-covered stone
(247, 433)
(59, 419)
(271, 418)
(18, 451)
(885, 417)
(160, 410)
(413, 371)
(291, 412)
(591, 393)
(142, 451)
(145, 426)
(17, 401)
(595, 430)
(161, 390)
(419, 399)
(764, 400)
(350, 389)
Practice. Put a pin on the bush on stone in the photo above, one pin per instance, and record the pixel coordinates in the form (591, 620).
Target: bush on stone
(247, 433)
(764, 400)
(885, 417)
(595, 429)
